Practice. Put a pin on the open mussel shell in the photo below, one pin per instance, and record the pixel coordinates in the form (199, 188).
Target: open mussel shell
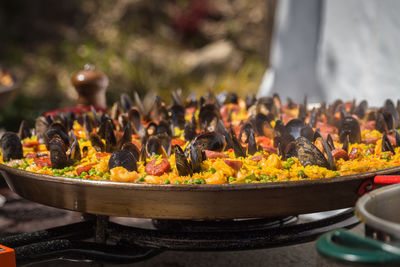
(24, 130)
(208, 117)
(210, 141)
(97, 143)
(386, 145)
(11, 146)
(122, 158)
(350, 126)
(309, 154)
(182, 164)
(58, 155)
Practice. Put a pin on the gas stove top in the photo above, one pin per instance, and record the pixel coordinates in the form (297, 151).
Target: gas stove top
(87, 238)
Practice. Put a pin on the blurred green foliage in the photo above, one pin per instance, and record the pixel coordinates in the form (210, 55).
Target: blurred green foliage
(141, 45)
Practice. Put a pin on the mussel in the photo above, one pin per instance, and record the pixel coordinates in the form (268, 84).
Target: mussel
(182, 164)
(309, 154)
(210, 141)
(11, 146)
(349, 126)
(24, 130)
(122, 158)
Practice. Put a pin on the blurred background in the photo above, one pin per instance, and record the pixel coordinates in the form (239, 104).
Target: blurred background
(145, 46)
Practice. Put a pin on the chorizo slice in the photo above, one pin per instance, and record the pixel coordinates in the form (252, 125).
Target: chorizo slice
(152, 168)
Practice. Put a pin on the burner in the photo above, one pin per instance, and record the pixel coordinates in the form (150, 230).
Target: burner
(98, 239)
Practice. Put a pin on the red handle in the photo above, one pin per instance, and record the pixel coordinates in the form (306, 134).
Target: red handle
(387, 179)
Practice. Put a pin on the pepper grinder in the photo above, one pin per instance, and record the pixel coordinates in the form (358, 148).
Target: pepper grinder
(91, 85)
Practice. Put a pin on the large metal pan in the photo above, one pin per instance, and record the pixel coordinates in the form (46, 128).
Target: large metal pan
(189, 201)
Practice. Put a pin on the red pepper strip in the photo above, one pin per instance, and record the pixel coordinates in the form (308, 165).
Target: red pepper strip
(99, 155)
(177, 141)
(30, 144)
(387, 179)
(85, 168)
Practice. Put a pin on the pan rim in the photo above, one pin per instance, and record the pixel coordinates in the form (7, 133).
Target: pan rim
(195, 187)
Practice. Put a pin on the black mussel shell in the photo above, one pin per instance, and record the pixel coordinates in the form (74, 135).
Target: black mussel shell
(386, 145)
(97, 143)
(313, 118)
(210, 141)
(126, 102)
(182, 164)
(390, 108)
(232, 98)
(197, 156)
(126, 137)
(237, 147)
(111, 140)
(75, 151)
(164, 127)
(58, 155)
(250, 100)
(309, 154)
(153, 146)
(252, 145)
(135, 118)
(41, 127)
(11, 146)
(122, 158)
(24, 130)
(190, 131)
(329, 141)
(133, 149)
(245, 131)
(177, 116)
(208, 117)
(350, 126)
(290, 150)
(56, 132)
(361, 109)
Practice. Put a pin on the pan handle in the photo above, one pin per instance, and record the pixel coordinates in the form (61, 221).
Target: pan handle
(345, 246)
(387, 179)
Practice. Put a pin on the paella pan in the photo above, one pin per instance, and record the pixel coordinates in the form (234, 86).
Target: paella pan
(213, 157)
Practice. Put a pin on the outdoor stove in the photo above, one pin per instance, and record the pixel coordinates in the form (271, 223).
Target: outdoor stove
(101, 239)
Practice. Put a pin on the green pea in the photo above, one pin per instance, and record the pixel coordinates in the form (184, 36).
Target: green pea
(84, 173)
(177, 182)
(368, 154)
(15, 165)
(156, 156)
(203, 181)
(302, 174)
(197, 181)
(212, 170)
(99, 173)
(185, 182)
(45, 168)
(190, 181)
(167, 182)
(336, 173)
(247, 181)
(231, 179)
(287, 166)
(259, 167)
(290, 160)
(144, 175)
(141, 179)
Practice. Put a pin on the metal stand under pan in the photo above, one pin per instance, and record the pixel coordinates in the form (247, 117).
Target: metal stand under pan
(126, 240)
